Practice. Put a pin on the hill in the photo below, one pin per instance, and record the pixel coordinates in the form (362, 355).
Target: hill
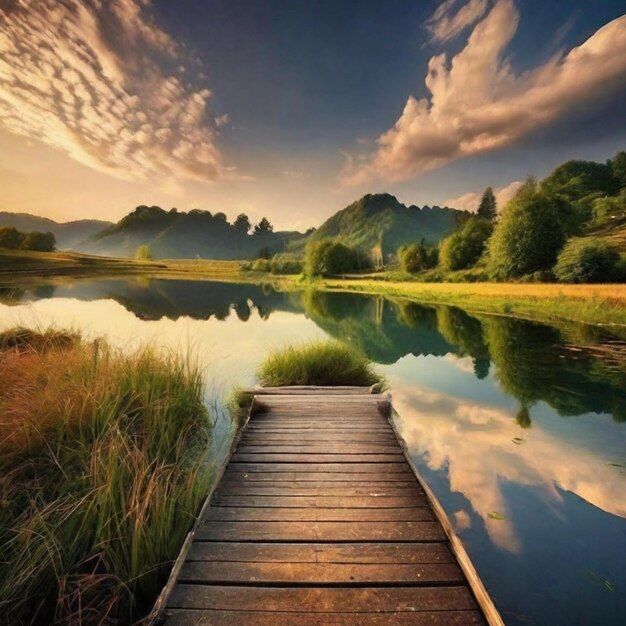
(381, 220)
(178, 235)
(69, 235)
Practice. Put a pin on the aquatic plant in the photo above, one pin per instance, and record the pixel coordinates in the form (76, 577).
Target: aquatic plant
(318, 363)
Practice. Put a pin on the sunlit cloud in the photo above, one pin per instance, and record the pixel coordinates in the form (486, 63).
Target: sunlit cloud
(473, 443)
(478, 103)
(448, 21)
(470, 201)
(102, 82)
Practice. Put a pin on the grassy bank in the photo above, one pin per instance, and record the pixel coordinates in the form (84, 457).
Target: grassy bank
(593, 304)
(323, 363)
(101, 473)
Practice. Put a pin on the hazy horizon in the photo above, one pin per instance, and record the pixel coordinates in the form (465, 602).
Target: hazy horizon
(295, 112)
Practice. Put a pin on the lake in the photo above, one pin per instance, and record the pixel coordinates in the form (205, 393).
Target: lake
(518, 427)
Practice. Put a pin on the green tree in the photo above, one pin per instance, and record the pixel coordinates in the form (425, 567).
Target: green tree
(264, 226)
(242, 223)
(529, 235)
(463, 248)
(11, 238)
(416, 257)
(329, 257)
(143, 252)
(587, 261)
(39, 242)
(488, 206)
(618, 168)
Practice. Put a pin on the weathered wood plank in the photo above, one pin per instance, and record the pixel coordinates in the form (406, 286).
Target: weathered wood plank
(406, 552)
(328, 448)
(299, 490)
(320, 531)
(278, 477)
(322, 599)
(302, 457)
(365, 502)
(260, 514)
(195, 617)
(345, 574)
(348, 468)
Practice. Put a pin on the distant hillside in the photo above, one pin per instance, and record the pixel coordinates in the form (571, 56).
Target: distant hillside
(177, 235)
(379, 219)
(69, 235)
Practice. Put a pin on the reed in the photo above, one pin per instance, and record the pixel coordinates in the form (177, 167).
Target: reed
(318, 363)
(102, 463)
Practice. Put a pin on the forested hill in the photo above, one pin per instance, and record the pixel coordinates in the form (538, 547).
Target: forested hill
(178, 235)
(68, 235)
(379, 219)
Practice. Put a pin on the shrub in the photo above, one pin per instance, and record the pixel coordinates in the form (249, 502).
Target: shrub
(261, 265)
(285, 264)
(329, 257)
(102, 470)
(143, 252)
(417, 257)
(39, 242)
(11, 238)
(529, 235)
(463, 248)
(318, 363)
(587, 261)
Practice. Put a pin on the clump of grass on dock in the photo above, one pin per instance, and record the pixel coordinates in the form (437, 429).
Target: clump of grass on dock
(101, 473)
(318, 363)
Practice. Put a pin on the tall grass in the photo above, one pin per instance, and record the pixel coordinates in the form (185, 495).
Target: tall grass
(318, 363)
(102, 471)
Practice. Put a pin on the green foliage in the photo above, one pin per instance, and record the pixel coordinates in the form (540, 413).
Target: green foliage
(39, 242)
(143, 252)
(263, 227)
(330, 257)
(11, 238)
(609, 207)
(318, 363)
(242, 223)
(462, 249)
(417, 257)
(102, 470)
(576, 179)
(488, 206)
(529, 234)
(618, 168)
(261, 265)
(587, 261)
(285, 264)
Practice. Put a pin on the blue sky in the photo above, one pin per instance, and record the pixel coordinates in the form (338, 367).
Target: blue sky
(293, 109)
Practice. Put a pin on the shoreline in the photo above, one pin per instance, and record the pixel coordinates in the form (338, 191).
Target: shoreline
(601, 305)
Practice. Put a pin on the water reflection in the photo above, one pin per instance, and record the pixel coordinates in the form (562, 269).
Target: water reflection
(482, 400)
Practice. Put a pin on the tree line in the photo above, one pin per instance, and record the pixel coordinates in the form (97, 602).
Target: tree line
(13, 239)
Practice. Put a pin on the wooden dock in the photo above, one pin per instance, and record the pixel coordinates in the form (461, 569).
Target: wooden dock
(320, 519)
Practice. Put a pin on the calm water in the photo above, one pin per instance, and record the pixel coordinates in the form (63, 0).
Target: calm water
(518, 427)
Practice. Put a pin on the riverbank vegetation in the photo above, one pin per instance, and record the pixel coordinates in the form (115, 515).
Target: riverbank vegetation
(318, 363)
(102, 471)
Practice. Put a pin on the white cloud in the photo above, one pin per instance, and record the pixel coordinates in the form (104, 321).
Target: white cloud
(478, 104)
(446, 23)
(87, 77)
(470, 201)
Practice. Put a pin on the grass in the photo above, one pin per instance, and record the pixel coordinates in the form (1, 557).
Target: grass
(318, 363)
(592, 304)
(102, 469)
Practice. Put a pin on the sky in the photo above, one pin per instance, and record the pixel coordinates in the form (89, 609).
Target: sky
(295, 109)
